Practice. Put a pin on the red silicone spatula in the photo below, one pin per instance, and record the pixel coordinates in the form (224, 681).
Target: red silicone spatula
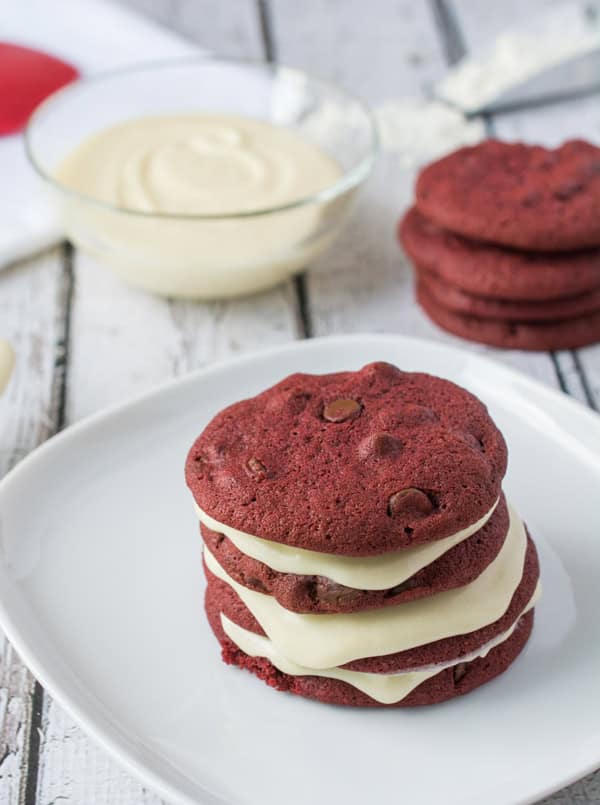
(27, 77)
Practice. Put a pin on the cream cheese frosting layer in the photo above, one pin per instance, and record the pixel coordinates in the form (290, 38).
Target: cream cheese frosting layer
(325, 641)
(383, 688)
(361, 573)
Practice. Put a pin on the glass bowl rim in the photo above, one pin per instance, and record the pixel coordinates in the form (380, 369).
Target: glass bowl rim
(348, 180)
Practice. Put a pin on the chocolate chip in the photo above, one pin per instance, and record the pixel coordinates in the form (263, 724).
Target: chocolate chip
(460, 671)
(531, 199)
(255, 468)
(210, 466)
(411, 502)
(256, 584)
(379, 445)
(212, 453)
(409, 584)
(341, 410)
(201, 465)
(298, 402)
(328, 592)
(473, 441)
(215, 453)
(293, 401)
(549, 160)
(382, 370)
(593, 169)
(411, 414)
(567, 190)
(223, 479)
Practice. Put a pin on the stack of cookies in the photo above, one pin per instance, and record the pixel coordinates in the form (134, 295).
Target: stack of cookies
(505, 240)
(357, 544)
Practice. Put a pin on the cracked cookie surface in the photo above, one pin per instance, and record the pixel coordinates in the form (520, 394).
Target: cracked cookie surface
(351, 463)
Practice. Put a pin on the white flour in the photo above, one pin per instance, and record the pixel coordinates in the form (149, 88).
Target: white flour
(516, 56)
(416, 131)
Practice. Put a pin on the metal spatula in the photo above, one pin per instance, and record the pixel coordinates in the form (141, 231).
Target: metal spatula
(574, 77)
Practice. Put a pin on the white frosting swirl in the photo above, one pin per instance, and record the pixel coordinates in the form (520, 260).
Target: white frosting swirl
(202, 164)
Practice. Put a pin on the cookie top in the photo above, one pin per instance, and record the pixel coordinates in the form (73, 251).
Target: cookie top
(540, 336)
(352, 463)
(454, 298)
(518, 195)
(494, 271)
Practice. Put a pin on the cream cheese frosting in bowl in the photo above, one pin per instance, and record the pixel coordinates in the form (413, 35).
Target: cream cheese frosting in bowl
(203, 178)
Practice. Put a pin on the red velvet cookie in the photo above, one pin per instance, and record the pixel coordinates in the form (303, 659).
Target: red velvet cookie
(494, 271)
(457, 567)
(454, 298)
(517, 195)
(220, 598)
(572, 333)
(449, 683)
(355, 463)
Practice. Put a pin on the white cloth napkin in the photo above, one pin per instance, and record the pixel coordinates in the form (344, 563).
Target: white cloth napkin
(93, 35)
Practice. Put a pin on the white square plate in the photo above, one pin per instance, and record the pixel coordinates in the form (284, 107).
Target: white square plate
(101, 593)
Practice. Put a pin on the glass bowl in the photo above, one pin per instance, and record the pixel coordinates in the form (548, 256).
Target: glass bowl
(206, 256)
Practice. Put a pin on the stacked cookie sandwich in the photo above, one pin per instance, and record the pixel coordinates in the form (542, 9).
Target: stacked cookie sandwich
(357, 544)
(505, 240)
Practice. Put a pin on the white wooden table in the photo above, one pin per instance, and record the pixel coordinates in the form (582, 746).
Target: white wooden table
(84, 340)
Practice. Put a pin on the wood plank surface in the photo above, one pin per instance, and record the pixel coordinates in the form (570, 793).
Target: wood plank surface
(479, 24)
(577, 371)
(229, 29)
(33, 300)
(365, 283)
(123, 342)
